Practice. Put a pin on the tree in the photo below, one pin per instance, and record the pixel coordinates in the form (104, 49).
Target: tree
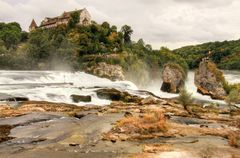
(141, 42)
(106, 25)
(39, 46)
(10, 34)
(75, 18)
(24, 36)
(127, 32)
(11, 38)
(114, 28)
(148, 47)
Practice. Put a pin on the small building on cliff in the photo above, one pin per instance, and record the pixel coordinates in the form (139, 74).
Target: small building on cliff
(63, 19)
(33, 25)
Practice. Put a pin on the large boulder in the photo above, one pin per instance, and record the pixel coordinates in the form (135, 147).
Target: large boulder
(209, 80)
(173, 77)
(102, 69)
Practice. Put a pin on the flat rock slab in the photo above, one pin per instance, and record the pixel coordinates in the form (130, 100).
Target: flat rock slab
(45, 135)
(28, 119)
(45, 153)
(188, 120)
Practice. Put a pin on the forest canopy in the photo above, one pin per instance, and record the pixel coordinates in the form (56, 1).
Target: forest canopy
(77, 46)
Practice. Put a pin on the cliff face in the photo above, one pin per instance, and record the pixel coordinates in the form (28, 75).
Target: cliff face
(173, 79)
(209, 80)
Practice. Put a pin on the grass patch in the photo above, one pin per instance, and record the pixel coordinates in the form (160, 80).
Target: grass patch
(149, 123)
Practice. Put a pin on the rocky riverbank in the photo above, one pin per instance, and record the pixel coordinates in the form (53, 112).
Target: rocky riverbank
(147, 127)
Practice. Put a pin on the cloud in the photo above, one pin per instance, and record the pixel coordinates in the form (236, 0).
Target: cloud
(206, 3)
(171, 23)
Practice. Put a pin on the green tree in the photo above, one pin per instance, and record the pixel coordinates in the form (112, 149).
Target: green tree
(106, 25)
(114, 28)
(10, 34)
(75, 18)
(127, 32)
(39, 46)
(24, 36)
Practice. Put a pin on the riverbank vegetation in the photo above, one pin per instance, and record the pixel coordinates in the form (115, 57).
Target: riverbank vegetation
(74, 47)
(225, 54)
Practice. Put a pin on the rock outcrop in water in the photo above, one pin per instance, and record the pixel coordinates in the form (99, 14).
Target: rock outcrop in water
(173, 78)
(112, 72)
(116, 95)
(81, 98)
(209, 80)
(7, 97)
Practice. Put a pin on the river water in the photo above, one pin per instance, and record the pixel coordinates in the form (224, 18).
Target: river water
(58, 86)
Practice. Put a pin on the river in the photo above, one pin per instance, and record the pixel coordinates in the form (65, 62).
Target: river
(58, 86)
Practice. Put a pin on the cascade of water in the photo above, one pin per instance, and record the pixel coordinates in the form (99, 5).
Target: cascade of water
(58, 86)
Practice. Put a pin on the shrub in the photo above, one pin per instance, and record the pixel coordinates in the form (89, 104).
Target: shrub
(233, 96)
(185, 98)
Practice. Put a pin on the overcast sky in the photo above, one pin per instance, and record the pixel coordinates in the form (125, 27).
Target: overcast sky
(171, 23)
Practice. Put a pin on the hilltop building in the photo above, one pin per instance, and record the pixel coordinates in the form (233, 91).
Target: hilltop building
(63, 19)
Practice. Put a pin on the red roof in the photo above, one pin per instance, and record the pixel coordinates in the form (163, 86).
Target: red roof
(33, 24)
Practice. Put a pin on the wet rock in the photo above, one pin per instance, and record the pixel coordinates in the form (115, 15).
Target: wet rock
(173, 78)
(81, 98)
(4, 133)
(6, 97)
(116, 95)
(188, 120)
(209, 80)
(28, 119)
(128, 114)
(112, 72)
(78, 115)
(73, 144)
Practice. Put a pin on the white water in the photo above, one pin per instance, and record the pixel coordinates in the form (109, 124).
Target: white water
(49, 85)
(52, 85)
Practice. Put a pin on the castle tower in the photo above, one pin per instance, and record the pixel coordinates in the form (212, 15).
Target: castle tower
(33, 26)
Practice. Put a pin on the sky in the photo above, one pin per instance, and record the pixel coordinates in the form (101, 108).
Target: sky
(170, 23)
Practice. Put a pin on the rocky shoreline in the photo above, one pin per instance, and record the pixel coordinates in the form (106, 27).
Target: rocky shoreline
(143, 127)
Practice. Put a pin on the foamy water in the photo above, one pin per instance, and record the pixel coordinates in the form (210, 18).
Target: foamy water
(54, 86)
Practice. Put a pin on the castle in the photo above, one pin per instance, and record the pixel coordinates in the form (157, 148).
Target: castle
(63, 19)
